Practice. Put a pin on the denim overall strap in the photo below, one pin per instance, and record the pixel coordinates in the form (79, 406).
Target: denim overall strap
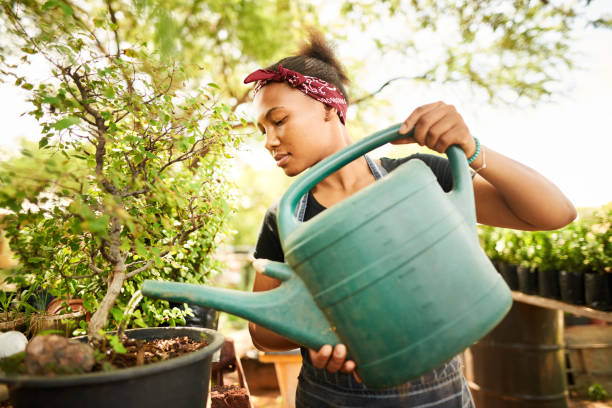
(377, 170)
(300, 210)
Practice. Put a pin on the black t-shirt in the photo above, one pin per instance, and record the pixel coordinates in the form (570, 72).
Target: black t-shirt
(268, 243)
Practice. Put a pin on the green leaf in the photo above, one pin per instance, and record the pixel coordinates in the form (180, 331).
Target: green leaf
(66, 122)
(68, 11)
(141, 249)
(51, 100)
(51, 4)
(117, 314)
(109, 92)
(116, 344)
(130, 53)
(43, 142)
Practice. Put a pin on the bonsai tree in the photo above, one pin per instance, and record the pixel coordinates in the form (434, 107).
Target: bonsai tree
(127, 180)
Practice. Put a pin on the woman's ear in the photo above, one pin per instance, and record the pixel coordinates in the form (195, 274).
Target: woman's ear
(328, 112)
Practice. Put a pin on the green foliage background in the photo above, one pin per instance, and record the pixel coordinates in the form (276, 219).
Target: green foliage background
(583, 246)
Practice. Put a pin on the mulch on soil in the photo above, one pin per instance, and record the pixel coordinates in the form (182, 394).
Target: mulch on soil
(228, 396)
(141, 352)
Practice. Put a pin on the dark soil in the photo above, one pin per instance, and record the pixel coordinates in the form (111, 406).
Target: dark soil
(140, 352)
(229, 396)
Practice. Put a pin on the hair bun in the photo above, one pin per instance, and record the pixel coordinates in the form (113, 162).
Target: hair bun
(319, 49)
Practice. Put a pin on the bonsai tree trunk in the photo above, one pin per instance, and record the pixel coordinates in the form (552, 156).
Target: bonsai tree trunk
(100, 317)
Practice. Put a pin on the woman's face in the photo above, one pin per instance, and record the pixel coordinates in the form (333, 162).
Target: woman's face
(297, 134)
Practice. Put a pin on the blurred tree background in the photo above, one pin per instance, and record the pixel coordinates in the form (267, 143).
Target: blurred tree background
(504, 51)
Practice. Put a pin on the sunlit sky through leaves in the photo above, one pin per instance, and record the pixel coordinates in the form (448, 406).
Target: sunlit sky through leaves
(568, 140)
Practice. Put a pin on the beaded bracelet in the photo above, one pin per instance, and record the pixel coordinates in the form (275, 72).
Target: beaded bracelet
(476, 153)
(484, 162)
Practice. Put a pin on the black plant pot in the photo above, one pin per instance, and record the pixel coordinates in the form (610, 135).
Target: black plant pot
(548, 283)
(572, 287)
(202, 316)
(508, 272)
(597, 291)
(181, 382)
(527, 280)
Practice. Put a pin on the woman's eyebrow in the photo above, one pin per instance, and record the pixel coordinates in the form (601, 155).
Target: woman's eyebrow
(269, 112)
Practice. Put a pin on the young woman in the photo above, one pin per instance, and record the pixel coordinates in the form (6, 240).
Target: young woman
(300, 105)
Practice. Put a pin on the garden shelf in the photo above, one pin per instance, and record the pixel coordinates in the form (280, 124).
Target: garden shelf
(566, 307)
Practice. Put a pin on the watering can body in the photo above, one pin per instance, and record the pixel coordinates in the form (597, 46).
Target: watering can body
(395, 271)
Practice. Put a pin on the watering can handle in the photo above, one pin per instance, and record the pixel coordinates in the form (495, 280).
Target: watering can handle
(462, 192)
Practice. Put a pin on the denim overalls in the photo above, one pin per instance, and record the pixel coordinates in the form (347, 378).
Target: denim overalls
(444, 387)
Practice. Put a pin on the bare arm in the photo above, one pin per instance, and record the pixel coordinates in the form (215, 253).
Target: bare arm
(507, 193)
(333, 359)
(264, 339)
(511, 195)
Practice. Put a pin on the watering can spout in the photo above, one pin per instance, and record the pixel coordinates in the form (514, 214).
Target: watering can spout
(278, 309)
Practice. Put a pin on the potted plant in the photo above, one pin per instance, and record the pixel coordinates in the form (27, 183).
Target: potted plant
(598, 258)
(507, 247)
(125, 185)
(548, 274)
(489, 237)
(526, 271)
(12, 315)
(569, 258)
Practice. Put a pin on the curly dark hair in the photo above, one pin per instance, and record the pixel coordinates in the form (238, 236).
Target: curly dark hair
(316, 58)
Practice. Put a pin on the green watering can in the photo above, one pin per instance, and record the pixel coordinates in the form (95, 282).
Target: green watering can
(395, 271)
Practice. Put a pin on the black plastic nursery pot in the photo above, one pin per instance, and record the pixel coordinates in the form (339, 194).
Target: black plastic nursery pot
(527, 280)
(180, 382)
(508, 272)
(548, 283)
(597, 290)
(571, 285)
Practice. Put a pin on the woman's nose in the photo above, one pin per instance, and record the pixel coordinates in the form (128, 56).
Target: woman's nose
(272, 140)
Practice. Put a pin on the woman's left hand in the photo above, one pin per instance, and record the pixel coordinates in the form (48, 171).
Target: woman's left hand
(438, 126)
(507, 193)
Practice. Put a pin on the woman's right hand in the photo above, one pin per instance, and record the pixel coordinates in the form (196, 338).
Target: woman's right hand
(333, 359)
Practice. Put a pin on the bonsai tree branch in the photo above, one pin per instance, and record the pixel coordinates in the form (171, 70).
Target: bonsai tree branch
(111, 12)
(136, 271)
(189, 154)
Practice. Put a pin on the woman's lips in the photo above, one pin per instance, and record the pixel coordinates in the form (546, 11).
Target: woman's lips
(281, 159)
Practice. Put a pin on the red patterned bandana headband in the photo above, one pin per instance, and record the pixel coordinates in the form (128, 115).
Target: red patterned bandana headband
(314, 87)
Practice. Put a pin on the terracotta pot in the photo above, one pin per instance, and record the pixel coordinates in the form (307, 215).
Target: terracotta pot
(56, 317)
